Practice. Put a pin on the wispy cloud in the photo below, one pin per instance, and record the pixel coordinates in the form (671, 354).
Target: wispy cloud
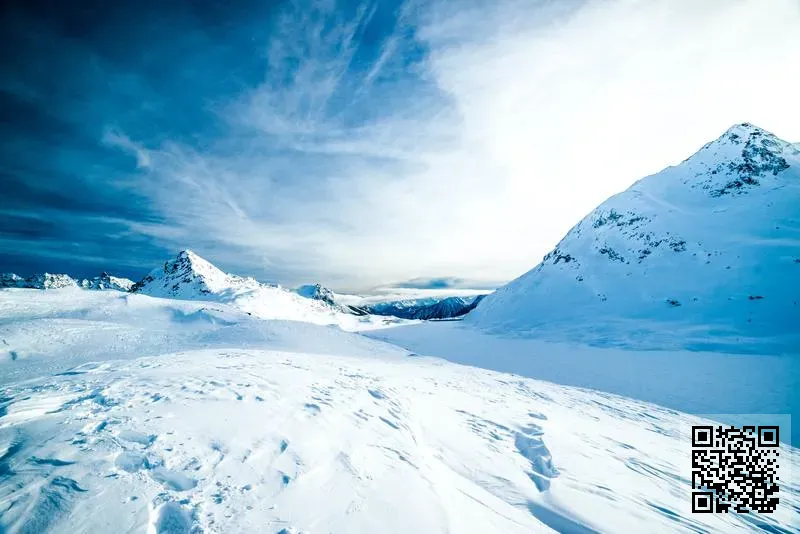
(114, 138)
(467, 139)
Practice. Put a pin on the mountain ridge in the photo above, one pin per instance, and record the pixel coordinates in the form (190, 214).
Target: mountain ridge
(713, 242)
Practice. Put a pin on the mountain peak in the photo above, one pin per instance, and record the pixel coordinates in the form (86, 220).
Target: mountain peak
(188, 256)
(188, 275)
(744, 159)
(742, 133)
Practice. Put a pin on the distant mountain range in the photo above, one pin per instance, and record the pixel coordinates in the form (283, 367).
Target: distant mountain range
(190, 277)
(57, 281)
(427, 308)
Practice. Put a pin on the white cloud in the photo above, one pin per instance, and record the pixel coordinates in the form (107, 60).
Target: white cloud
(518, 122)
(115, 138)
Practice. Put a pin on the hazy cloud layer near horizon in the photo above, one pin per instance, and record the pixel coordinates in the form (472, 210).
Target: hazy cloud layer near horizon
(361, 143)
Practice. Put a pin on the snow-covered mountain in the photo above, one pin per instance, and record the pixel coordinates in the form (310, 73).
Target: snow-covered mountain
(37, 281)
(423, 308)
(712, 244)
(427, 308)
(326, 295)
(59, 281)
(190, 277)
(105, 281)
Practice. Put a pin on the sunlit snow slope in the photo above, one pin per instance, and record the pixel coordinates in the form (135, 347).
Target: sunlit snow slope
(226, 423)
(710, 248)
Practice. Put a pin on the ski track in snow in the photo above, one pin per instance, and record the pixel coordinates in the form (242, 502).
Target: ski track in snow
(232, 424)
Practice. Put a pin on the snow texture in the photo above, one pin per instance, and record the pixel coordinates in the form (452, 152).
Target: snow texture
(142, 414)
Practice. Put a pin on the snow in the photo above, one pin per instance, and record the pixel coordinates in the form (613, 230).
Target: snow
(51, 331)
(699, 382)
(206, 425)
(710, 247)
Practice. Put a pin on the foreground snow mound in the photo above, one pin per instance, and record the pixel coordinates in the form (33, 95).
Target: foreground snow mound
(233, 424)
(37, 281)
(709, 245)
(260, 441)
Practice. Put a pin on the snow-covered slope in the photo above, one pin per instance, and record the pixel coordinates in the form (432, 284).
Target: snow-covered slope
(37, 281)
(177, 416)
(710, 246)
(106, 281)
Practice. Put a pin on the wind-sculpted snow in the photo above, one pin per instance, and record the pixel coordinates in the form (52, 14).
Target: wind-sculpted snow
(710, 247)
(315, 431)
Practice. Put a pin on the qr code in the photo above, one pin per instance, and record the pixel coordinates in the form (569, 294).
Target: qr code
(735, 467)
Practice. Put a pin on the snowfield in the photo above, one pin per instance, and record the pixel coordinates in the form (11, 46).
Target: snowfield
(128, 413)
(697, 382)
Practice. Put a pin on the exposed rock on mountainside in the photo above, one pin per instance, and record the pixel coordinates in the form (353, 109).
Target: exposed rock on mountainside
(189, 276)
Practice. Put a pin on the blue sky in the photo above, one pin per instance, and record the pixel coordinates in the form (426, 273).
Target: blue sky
(360, 144)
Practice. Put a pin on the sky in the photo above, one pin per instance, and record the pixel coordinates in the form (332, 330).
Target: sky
(429, 143)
